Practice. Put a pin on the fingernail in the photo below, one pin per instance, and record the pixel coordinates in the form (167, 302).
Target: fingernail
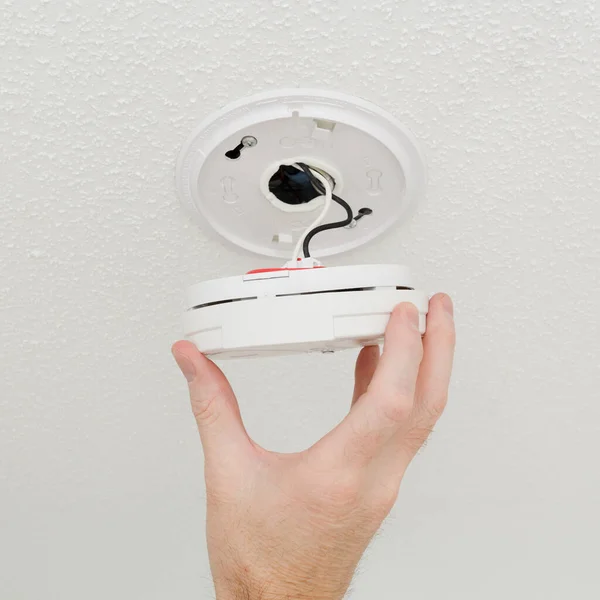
(186, 365)
(448, 305)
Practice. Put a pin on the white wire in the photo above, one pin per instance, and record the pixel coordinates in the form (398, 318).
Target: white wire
(328, 201)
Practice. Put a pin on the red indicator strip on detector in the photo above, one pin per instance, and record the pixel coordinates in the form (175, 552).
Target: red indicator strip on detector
(258, 271)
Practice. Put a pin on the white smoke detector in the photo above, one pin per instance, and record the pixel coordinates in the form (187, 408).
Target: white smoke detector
(224, 169)
(286, 311)
(299, 174)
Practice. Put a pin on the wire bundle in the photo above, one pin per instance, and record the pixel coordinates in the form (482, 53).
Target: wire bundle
(325, 188)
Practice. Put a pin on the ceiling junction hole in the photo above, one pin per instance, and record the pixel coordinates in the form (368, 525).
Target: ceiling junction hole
(293, 186)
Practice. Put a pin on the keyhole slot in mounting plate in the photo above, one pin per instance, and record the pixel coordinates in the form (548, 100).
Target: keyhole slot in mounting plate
(374, 182)
(248, 141)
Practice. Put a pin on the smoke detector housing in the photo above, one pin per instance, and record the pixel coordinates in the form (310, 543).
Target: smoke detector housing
(274, 312)
(235, 173)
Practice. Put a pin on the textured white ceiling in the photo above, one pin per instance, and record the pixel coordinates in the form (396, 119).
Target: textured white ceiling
(101, 492)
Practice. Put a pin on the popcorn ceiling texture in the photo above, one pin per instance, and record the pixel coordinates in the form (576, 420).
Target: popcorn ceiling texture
(100, 466)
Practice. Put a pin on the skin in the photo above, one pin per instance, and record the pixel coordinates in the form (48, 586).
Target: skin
(294, 526)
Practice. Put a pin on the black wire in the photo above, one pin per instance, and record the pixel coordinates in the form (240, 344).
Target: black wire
(338, 224)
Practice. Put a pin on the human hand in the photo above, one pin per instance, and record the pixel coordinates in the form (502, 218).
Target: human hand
(294, 526)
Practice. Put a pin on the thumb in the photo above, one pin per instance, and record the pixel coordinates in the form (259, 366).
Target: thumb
(214, 404)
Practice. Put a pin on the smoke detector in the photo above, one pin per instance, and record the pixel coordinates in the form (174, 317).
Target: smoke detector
(299, 174)
(271, 312)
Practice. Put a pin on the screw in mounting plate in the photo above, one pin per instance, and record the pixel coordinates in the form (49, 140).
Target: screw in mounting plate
(249, 141)
(363, 212)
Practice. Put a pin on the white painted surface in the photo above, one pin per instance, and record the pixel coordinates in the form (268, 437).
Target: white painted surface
(101, 482)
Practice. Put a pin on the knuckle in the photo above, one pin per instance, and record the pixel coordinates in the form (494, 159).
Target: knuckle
(383, 500)
(346, 497)
(436, 407)
(396, 408)
(344, 491)
(205, 410)
(337, 494)
(416, 438)
(432, 406)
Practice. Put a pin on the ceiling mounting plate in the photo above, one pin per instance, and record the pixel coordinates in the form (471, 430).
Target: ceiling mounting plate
(234, 175)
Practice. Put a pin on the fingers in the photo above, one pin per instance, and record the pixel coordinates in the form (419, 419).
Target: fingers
(396, 375)
(365, 368)
(436, 367)
(386, 406)
(213, 402)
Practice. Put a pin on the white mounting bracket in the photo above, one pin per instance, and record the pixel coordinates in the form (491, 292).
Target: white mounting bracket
(226, 166)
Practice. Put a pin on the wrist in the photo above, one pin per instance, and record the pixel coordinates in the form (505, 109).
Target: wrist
(297, 577)
(242, 590)
(244, 594)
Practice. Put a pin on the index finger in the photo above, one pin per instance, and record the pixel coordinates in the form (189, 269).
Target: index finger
(388, 402)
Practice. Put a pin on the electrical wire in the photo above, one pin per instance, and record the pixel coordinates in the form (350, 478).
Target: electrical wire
(318, 181)
(326, 189)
